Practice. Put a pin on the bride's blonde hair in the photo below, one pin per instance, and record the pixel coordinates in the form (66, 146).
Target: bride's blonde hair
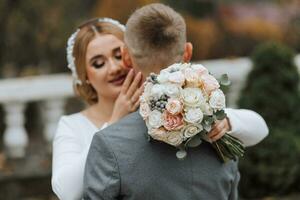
(87, 32)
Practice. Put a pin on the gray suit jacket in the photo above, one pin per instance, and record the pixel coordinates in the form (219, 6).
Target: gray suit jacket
(123, 164)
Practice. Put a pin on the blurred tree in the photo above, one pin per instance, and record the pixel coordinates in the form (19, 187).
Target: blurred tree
(276, 76)
(272, 89)
(196, 8)
(204, 34)
(34, 33)
(119, 9)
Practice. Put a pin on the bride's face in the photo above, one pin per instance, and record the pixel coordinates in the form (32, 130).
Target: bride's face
(104, 65)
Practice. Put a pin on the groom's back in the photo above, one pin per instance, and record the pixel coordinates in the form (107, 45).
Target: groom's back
(122, 164)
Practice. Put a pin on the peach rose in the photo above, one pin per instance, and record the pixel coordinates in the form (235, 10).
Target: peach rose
(158, 134)
(200, 69)
(192, 77)
(174, 106)
(209, 83)
(172, 122)
(174, 138)
(144, 110)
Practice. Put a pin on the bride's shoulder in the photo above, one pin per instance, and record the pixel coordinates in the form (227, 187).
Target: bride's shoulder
(71, 120)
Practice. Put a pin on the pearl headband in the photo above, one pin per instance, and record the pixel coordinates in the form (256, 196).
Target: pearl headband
(70, 47)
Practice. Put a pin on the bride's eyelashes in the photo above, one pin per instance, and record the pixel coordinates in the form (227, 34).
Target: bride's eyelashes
(97, 61)
(117, 53)
(98, 65)
(118, 57)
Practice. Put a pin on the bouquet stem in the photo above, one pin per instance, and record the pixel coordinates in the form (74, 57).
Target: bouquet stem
(229, 148)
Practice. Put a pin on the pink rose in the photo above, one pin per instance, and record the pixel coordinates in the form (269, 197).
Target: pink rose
(209, 83)
(172, 122)
(174, 106)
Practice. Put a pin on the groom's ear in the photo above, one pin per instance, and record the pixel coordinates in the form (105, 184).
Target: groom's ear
(188, 52)
(126, 57)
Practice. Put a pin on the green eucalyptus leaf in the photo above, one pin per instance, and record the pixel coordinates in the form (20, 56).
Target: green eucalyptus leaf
(207, 127)
(194, 141)
(224, 80)
(181, 154)
(220, 114)
(208, 120)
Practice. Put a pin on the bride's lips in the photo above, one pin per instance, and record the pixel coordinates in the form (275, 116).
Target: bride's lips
(118, 81)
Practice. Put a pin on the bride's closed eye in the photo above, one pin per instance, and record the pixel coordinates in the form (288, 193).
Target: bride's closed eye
(97, 62)
(117, 54)
(98, 65)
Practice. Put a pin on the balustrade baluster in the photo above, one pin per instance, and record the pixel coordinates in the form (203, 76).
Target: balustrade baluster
(15, 136)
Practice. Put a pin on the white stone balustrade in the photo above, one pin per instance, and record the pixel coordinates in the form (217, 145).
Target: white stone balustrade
(15, 93)
(52, 90)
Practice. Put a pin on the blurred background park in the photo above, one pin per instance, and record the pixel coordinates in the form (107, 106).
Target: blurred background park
(256, 41)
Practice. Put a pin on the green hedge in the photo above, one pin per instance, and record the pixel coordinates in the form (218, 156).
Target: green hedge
(272, 89)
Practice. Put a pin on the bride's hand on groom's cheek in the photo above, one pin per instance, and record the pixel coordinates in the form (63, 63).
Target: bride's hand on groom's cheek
(128, 99)
(219, 129)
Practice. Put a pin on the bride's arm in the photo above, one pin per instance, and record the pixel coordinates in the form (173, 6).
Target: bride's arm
(247, 125)
(68, 162)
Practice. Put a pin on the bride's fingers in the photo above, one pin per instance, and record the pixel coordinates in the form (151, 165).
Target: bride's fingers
(136, 105)
(134, 85)
(127, 81)
(137, 94)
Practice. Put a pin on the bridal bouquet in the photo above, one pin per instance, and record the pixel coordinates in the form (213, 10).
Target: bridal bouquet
(181, 104)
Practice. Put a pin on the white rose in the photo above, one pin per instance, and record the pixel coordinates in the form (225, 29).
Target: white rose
(174, 106)
(193, 115)
(155, 119)
(147, 91)
(163, 77)
(177, 78)
(174, 138)
(192, 97)
(174, 67)
(172, 90)
(144, 110)
(217, 100)
(158, 134)
(191, 130)
(184, 66)
(206, 109)
(199, 69)
(191, 76)
(157, 91)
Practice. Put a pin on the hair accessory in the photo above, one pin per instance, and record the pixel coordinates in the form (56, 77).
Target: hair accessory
(70, 47)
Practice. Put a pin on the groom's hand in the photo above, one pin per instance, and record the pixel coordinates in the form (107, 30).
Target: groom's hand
(219, 129)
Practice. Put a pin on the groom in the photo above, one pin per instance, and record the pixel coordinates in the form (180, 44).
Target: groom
(121, 163)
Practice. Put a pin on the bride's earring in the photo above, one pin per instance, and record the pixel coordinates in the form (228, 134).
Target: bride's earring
(87, 82)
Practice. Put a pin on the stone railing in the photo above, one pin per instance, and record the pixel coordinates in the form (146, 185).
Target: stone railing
(52, 91)
(15, 93)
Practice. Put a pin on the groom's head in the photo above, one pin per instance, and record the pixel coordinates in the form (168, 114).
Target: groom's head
(155, 37)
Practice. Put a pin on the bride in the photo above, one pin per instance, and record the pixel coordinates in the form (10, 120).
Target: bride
(112, 91)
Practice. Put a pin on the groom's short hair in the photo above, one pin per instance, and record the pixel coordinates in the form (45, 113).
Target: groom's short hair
(155, 35)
